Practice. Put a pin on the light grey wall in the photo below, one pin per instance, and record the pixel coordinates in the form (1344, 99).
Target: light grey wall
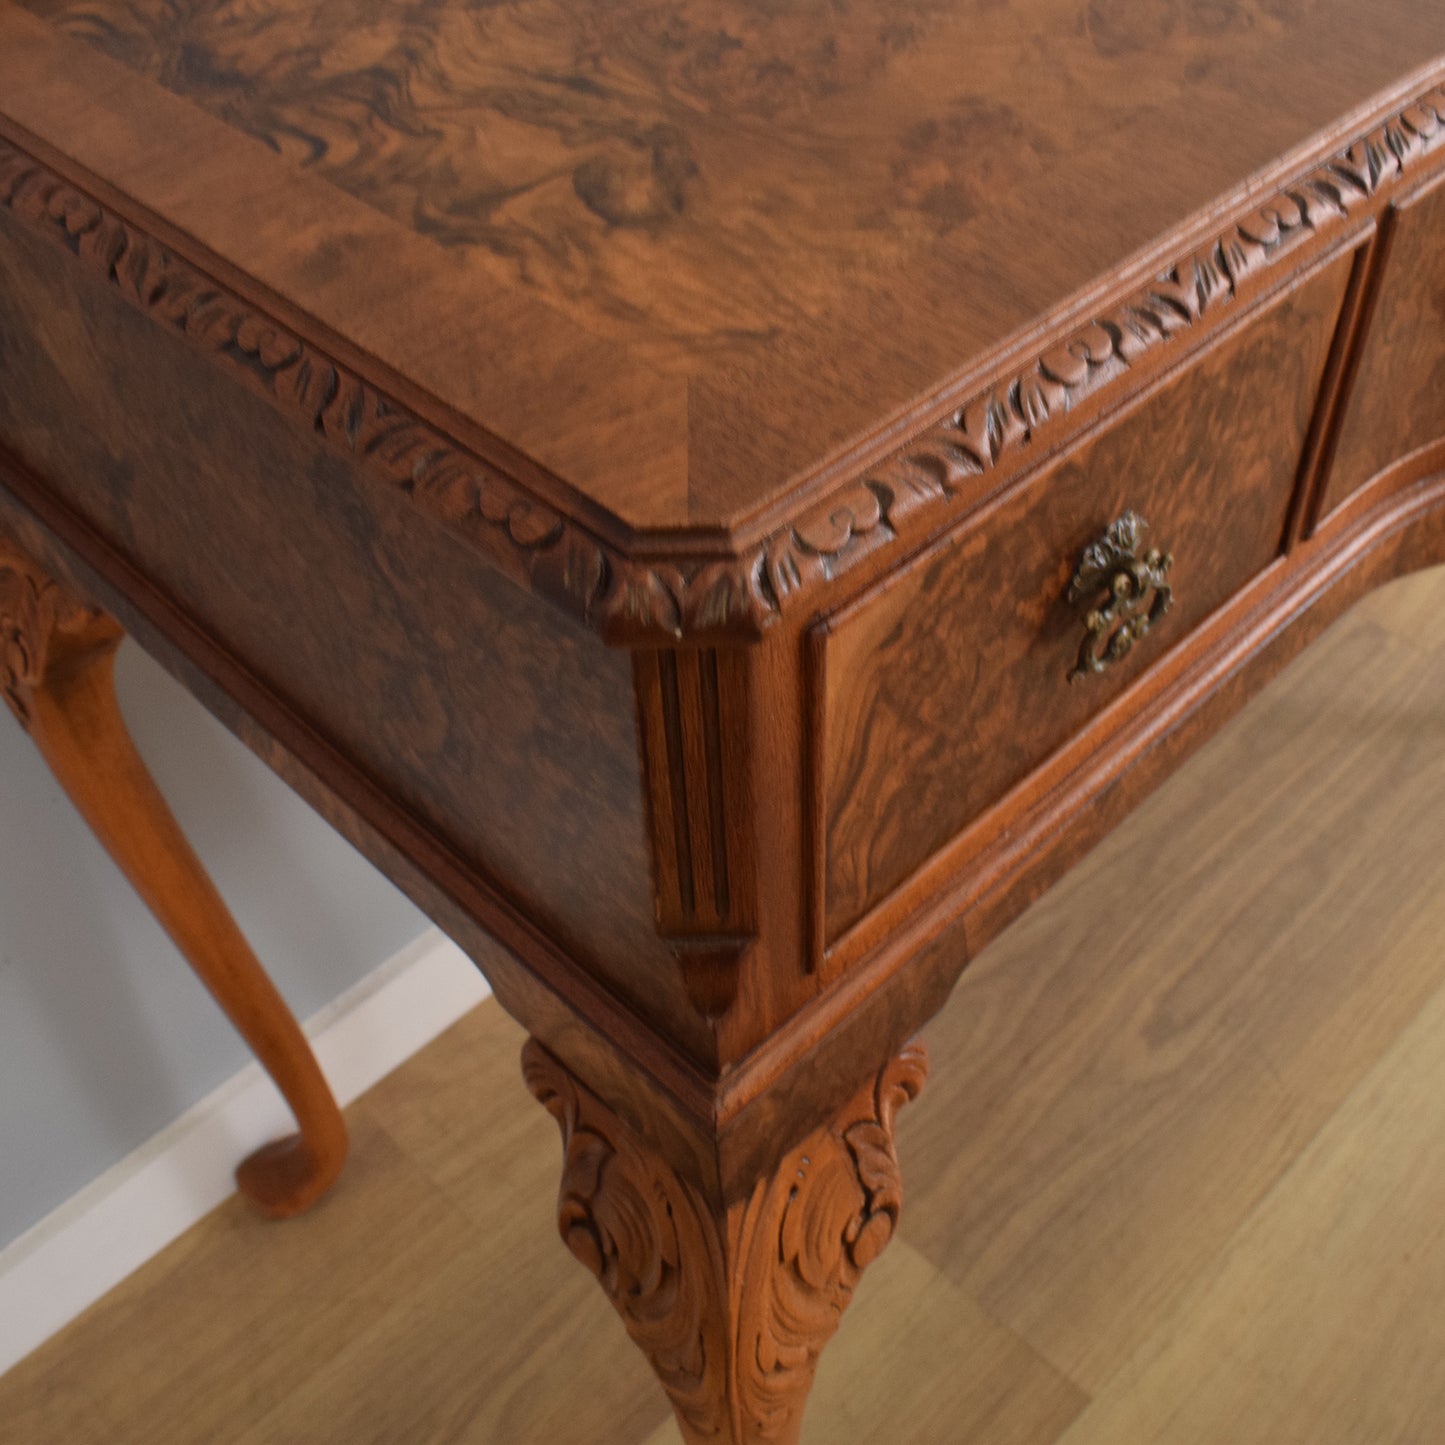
(105, 1035)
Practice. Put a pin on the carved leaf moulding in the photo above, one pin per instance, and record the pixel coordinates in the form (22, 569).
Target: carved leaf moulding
(29, 604)
(529, 539)
(34, 610)
(916, 482)
(650, 601)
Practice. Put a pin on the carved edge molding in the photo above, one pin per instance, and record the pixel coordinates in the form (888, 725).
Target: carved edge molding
(35, 613)
(529, 539)
(653, 601)
(732, 1307)
(908, 489)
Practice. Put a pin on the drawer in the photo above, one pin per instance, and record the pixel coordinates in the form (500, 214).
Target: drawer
(950, 682)
(1397, 400)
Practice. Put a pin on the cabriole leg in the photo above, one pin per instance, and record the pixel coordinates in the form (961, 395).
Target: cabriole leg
(57, 659)
(731, 1304)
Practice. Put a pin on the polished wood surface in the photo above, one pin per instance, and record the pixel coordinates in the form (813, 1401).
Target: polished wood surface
(639, 485)
(794, 221)
(962, 661)
(1177, 1069)
(57, 659)
(1398, 404)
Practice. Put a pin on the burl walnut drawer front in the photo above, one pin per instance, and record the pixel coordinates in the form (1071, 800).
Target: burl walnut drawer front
(950, 682)
(1397, 400)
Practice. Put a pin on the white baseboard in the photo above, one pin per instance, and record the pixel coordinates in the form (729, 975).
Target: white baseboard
(131, 1212)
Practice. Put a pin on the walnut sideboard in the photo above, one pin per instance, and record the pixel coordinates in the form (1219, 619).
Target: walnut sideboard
(723, 501)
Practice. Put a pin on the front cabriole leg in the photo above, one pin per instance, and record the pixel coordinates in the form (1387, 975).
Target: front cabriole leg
(57, 658)
(731, 1303)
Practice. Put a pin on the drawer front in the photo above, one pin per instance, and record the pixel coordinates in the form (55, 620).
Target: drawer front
(1397, 402)
(950, 682)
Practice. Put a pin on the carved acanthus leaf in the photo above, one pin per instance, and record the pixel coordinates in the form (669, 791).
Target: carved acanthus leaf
(528, 538)
(636, 600)
(34, 610)
(732, 1307)
(914, 484)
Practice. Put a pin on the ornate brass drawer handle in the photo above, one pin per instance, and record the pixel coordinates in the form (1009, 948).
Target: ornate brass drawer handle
(1129, 588)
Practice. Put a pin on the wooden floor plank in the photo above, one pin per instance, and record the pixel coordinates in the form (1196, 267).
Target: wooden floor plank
(1131, 1068)
(464, 1088)
(916, 1362)
(238, 1313)
(1323, 1324)
(492, 1344)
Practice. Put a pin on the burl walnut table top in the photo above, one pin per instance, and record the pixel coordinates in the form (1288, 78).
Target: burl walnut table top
(688, 258)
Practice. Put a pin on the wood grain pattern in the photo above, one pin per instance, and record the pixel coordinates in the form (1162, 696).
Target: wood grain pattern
(989, 430)
(57, 657)
(1397, 397)
(591, 150)
(943, 690)
(888, 489)
(1339, 1255)
(1171, 1027)
(585, 148)
(733, 1306)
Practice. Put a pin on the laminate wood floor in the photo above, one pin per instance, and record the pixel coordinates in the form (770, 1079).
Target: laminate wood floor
(1179, 1175)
